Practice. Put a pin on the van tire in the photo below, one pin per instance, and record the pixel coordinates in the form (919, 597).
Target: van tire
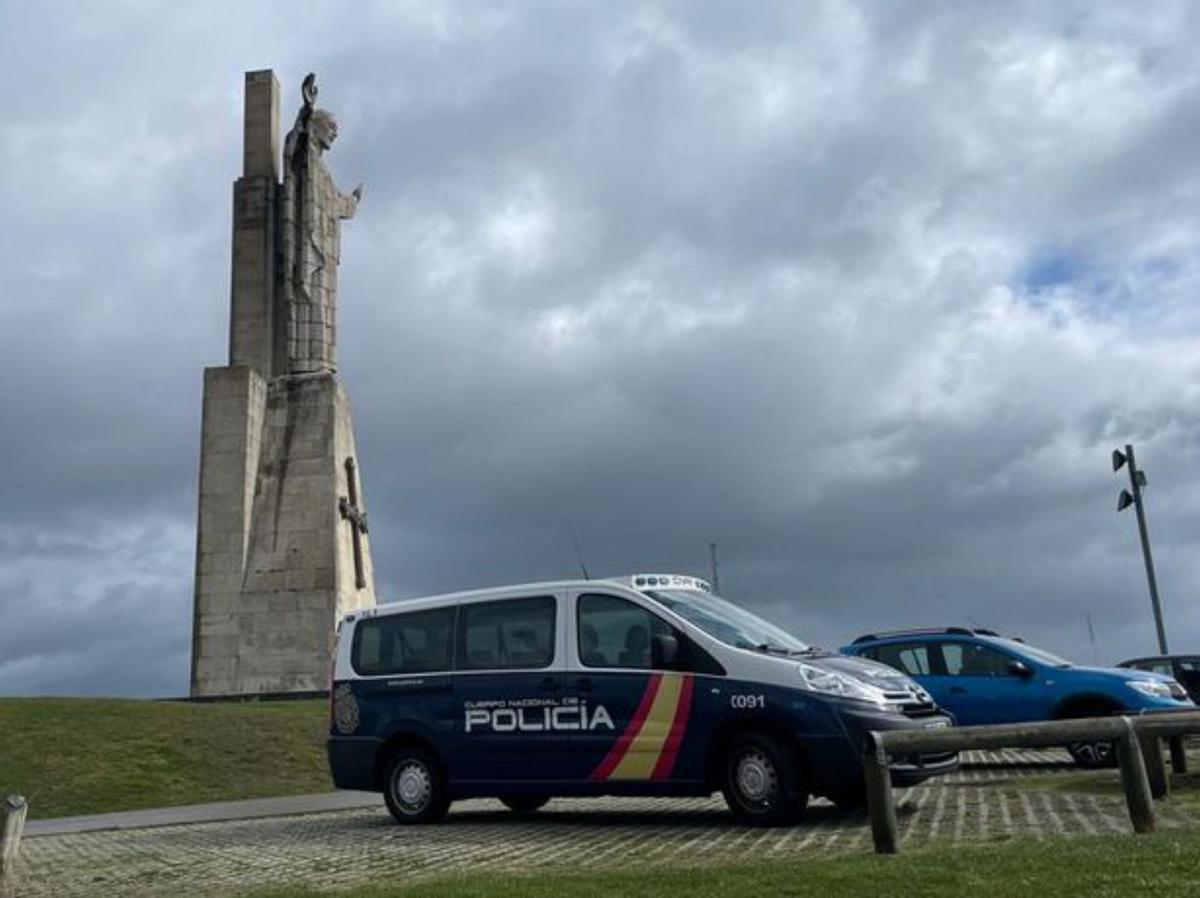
(524, 804)
(761, 782)
(414, 786)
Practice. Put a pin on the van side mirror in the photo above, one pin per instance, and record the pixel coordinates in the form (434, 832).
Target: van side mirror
(664, 650)
(1019, 669)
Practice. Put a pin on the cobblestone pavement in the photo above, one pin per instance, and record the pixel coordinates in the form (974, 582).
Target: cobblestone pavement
(343, 848)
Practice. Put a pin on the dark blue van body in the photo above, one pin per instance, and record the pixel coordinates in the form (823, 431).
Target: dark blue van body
(600, 688)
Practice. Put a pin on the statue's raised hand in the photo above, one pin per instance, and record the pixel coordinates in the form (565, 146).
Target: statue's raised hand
(357, 192)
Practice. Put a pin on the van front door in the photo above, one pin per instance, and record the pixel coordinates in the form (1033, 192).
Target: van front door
(636, 716)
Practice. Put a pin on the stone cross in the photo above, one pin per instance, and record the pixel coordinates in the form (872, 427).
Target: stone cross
(357, 518)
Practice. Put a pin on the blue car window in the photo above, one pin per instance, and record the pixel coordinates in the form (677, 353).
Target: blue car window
(968, 659)
(910, 657)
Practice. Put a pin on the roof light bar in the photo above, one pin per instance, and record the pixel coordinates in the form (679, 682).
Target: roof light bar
(669, 581)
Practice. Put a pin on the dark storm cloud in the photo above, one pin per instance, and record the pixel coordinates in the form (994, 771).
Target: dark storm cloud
(674, 273)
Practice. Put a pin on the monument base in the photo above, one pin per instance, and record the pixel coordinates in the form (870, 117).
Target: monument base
(282, 549)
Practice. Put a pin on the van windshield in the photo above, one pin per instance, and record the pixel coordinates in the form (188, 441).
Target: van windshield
(727, 622)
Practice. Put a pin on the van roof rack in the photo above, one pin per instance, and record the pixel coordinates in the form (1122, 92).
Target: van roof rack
(926, 631)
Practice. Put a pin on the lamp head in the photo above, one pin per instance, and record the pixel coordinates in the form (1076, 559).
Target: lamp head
(1124, 500)
(1118, 458)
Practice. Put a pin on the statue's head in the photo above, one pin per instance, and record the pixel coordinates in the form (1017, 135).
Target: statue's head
(323, 127)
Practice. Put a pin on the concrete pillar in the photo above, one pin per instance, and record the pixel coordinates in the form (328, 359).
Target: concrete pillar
(230, 448)
(260, 136)
(300, 572)
(252, 289)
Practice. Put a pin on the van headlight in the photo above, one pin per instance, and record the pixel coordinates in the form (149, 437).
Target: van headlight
(817, 679)
(1152, 688)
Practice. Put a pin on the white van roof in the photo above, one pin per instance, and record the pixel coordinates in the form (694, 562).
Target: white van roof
(638, 582)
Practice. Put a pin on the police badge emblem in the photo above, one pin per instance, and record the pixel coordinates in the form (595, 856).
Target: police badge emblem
(345, 710)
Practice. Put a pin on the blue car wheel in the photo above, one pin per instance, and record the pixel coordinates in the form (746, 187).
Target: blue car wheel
(1092, 755)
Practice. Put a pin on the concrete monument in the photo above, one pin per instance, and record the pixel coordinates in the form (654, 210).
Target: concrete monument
(282, 543)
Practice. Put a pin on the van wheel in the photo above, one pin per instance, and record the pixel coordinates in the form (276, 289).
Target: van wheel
(761, 783)
(415, 788)
(523, 804)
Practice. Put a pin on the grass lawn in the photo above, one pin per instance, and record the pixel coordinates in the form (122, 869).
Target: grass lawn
(86, 756)
(1160, 865)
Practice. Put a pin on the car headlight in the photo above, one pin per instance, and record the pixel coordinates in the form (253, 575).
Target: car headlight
(829, 682)
(1152, 688)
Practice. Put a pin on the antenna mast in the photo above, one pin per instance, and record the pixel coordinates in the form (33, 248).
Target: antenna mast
(578, 554)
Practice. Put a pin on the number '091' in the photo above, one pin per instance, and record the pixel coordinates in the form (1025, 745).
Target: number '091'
(748, 701)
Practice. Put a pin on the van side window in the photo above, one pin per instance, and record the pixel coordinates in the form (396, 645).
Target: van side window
(614, 632)
(910, 657)
(511, 633)
(417, 642)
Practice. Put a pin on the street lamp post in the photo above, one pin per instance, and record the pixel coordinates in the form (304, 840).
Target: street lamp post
(1137, 480)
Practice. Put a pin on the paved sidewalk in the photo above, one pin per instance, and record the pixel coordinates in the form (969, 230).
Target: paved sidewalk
(346, 848)
(249, 809)
(347, 800)
(339, 840)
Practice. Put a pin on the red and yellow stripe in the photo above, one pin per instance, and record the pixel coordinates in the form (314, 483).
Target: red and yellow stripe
(651, 742)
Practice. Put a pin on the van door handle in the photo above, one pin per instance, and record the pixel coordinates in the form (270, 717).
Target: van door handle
(551, 684)
(584, 684)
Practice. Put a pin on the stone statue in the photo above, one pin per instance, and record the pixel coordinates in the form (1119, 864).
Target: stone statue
(311, 212)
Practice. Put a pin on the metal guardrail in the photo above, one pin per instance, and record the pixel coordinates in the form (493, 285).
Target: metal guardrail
(1137, 740)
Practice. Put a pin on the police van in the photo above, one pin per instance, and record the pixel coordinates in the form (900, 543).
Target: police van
(645, 685)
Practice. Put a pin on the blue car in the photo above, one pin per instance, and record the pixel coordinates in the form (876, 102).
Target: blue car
(981, 678)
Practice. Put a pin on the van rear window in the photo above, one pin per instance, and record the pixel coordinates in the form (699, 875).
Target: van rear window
(417, 642)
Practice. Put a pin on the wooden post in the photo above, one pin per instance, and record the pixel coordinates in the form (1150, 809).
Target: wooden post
(1134, 780)
(12, 824)
(1178, 755)
(878, 781)
(1156, 768)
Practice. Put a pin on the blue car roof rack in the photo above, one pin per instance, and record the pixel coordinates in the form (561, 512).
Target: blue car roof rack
(927, 631)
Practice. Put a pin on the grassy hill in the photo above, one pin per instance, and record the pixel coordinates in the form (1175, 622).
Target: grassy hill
(87, 756)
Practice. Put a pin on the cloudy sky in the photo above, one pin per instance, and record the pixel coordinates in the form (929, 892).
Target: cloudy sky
(865, 293)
